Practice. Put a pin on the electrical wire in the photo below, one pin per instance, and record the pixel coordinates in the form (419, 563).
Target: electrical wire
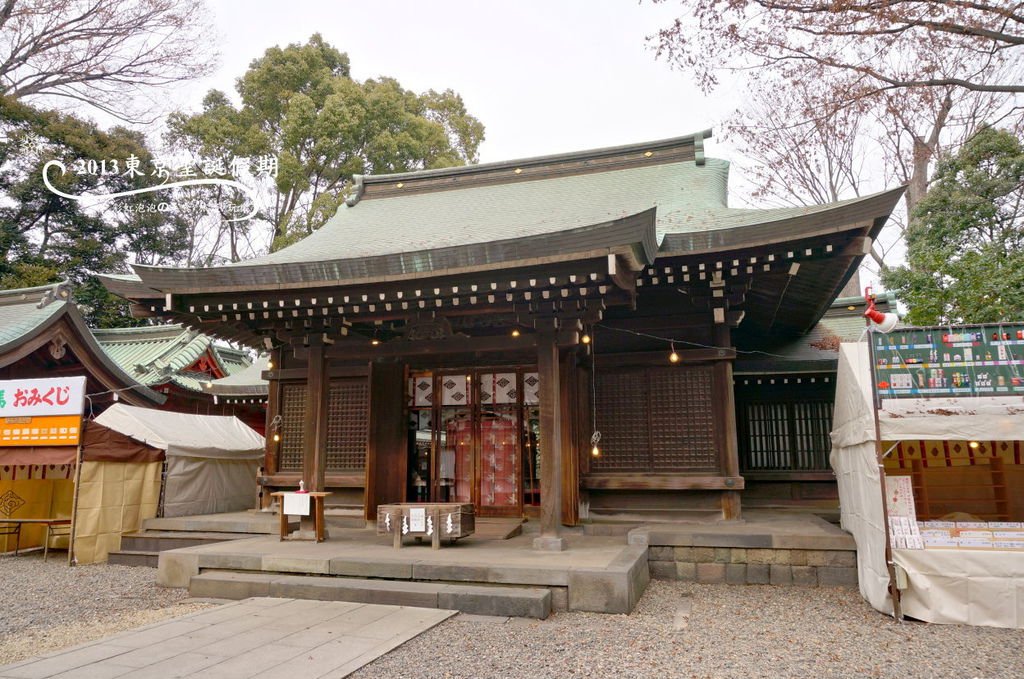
(671, 341)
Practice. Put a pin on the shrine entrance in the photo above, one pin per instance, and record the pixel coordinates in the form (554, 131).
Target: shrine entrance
(474, 436)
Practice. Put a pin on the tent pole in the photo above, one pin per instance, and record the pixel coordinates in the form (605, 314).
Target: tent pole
(894, 593)
(74, 499)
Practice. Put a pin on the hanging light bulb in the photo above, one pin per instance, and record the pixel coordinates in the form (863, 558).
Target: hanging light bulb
(515, 332)
(277, 437)
(270, 364)
(585, 339)
(375, 341)
(595, 438)
(974, 444)
(673, 357)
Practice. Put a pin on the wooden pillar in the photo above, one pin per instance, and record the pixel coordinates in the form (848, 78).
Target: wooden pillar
(551, 441)
(726, 417)
(272, 451)
(314, 458)
(387, 456)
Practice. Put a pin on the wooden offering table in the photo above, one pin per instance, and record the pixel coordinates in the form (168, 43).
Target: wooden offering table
(435, 520)
(316, 507)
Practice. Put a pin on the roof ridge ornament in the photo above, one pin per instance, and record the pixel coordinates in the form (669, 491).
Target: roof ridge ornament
(357, 190)
(57, 292)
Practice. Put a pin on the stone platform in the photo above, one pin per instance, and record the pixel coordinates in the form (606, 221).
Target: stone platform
(600, 574)
(765, 547)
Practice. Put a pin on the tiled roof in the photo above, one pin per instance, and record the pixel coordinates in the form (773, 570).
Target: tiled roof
(162, 354)
(26, 310)
(247, 382)
(482, 214)
(27, 313)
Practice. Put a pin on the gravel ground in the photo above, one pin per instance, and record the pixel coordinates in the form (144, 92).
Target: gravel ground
(688, 630)
(47, 605)
(678, 630)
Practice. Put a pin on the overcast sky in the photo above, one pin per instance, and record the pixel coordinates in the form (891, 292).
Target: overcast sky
(543, 76)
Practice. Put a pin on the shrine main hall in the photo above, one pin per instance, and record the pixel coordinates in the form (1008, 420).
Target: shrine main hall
(564, 337)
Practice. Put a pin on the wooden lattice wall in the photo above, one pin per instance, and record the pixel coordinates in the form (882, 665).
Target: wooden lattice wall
(347, 425)
(656, 419)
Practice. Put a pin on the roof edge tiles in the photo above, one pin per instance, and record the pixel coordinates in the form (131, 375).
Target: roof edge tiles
(632, 236)
(767, 227)
(41, 294)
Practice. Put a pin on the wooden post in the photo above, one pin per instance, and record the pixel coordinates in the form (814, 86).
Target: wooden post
(396, 526)
(551, 441)
(314, 459)
(726, 419)
(435, 537)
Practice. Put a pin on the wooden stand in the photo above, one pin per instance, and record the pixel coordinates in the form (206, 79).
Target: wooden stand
(450, 520)
(317, 502)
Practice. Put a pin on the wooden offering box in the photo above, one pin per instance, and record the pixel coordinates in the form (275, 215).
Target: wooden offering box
(432, 520)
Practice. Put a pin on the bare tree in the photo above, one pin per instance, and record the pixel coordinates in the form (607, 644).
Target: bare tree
(843, 94)
(105, 53)
(869, 38)
(801, 151)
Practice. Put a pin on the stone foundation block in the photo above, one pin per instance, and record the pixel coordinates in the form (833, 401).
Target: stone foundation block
(805, 575)
(781, 574)
(660, 554)
(686, 571)
(798, 557)
(761, 556)
(736, 573)
(683, 554)
(841, 559)
(815, 557)
(559, 598)
(738, 555)
(757, 574)
(711, 573)
(663, 570)
(722, 554)
(704, 554)
(835, 576)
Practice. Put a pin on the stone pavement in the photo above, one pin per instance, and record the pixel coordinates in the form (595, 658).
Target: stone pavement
(266, 638)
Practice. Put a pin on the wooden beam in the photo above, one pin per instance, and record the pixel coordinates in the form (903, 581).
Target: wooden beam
(661, 357)
(661, 482)
(286, 480)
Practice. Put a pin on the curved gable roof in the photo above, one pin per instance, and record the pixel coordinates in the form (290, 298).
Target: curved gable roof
(31, 317)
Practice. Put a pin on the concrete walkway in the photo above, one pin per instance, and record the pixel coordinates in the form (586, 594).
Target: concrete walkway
(265, 637)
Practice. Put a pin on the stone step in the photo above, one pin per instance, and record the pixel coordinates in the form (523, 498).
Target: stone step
(126, 557)
(160, 540)
(253, 523)
(523, 602)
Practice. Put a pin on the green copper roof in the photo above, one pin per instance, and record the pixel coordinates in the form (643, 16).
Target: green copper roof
(482, 214)
(27, 313)
(162, 354)
(26, 310)
(248, 382)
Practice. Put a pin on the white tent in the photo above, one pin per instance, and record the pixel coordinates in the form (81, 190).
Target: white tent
(211, 460)
(950, 586)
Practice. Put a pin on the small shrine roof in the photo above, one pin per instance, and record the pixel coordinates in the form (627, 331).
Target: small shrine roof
(163, 354)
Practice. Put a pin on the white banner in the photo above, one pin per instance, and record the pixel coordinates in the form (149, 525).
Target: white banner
(296, 504)
(50, 396)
